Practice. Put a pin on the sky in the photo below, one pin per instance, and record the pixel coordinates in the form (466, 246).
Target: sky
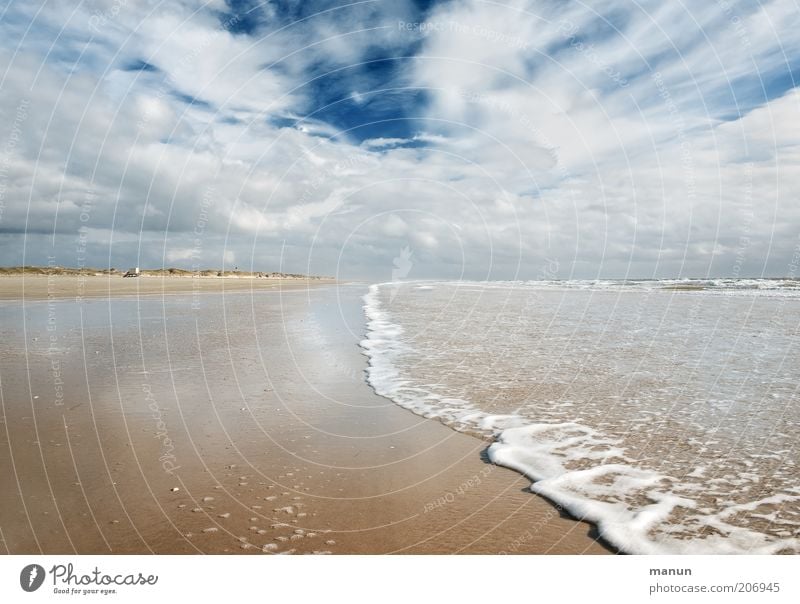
(400, 139)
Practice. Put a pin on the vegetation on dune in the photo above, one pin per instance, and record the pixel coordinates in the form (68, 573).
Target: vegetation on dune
(158, 272)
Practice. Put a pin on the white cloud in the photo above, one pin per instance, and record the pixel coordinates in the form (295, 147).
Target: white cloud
(180, 254)
(531, 143)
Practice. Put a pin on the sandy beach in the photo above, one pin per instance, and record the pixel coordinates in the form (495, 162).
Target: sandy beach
(41, 287)
(233, 419)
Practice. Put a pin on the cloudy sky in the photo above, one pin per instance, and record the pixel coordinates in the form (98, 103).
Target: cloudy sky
(389, 138)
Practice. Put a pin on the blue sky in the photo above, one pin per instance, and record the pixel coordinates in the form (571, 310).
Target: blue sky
(490, 139)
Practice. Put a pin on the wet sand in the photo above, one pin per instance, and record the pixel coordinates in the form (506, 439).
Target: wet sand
(236, 423)
(40, 287)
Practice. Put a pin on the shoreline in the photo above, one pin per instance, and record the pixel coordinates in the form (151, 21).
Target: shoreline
(238, 428)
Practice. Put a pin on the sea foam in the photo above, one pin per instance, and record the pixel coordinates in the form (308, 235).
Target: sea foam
(637, 508)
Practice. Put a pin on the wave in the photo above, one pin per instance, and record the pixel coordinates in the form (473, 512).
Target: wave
(774, 287)
(586, 472)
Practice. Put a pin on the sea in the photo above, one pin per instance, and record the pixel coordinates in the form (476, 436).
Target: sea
(666, 412)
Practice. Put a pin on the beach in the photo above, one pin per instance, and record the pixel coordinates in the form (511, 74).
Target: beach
(175, 415)
(76, 287)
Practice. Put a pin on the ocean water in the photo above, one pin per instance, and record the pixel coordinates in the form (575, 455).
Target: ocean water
(665, 412)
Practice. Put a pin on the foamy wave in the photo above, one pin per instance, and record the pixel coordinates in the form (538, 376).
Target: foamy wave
(587, 473)
(382, 347)
(602, 493)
